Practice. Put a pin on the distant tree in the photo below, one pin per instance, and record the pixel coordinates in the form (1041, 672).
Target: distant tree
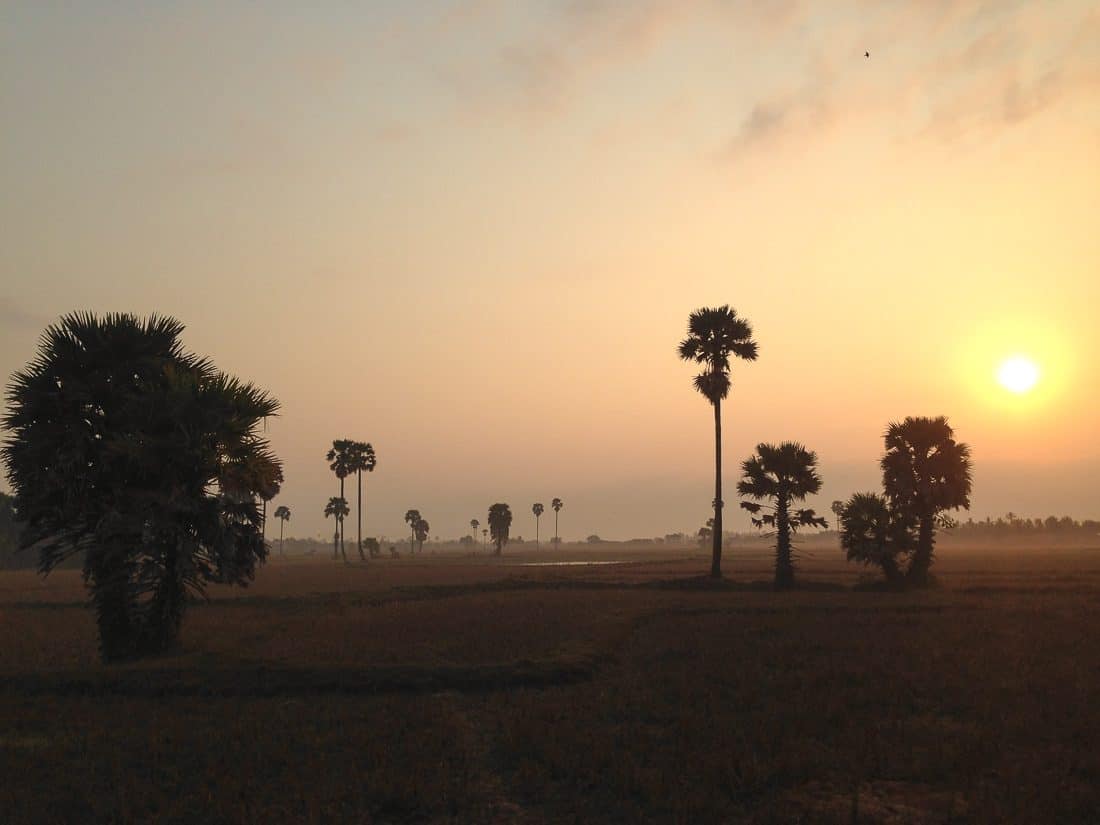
(474, 524)
(500, 522)
(371, 544)
(412, 518)
(145, 459)
(925, 473)
(556, 506)
(361, 459)
(282, 513)
(269, 492)
(340, 462)
(593, 539)
(337, 507)
(838, 512)
(714, 335)
(538, 510)
(873, 533)
(704, 533)
(421, 529)
(485, 537)
(781, 474)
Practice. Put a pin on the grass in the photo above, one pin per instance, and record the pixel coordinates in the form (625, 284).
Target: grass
(468, 690)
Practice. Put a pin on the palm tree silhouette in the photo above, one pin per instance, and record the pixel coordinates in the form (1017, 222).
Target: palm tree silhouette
(421, 529)
(500, 520)
(360, 460)
(783, 474)
(339, 458)
(715, 334)
(412, 518)
(282, 513)
(925, 472)
(838, 511)
(337, 507)
(146, 460)
(556, 506)
(873, 533)
(474, 524)
(538, 510)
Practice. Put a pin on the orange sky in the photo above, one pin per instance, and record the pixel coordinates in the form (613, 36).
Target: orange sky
(472, 233)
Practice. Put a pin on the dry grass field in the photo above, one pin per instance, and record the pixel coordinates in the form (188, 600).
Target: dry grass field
(473, 689)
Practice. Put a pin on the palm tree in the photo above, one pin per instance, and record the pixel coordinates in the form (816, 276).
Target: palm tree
(337, 507)
(873, 533)
(340, 462)
(282, 513)
(421, 530)
(838, 512)
(412, 518)
(474, 524)
(361, 459)
(925, 472)
(143, 457)
(782, 474)
(500, 521)
(538, 510)
(715, 334)
(485, 537)
(556, 506)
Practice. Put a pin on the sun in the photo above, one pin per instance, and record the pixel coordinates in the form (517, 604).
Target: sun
(1018, 374)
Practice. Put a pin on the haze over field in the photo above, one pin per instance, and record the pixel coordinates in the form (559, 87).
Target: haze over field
(471, 234)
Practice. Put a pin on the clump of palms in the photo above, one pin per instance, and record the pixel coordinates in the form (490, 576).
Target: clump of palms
(714, 336)
(781, 474)
(875, 534)
(500, 522)
(337, 507)
(556, 506)
(925, 473)
(282, 513)
(538, 510)
(127, 448)
(340, 462)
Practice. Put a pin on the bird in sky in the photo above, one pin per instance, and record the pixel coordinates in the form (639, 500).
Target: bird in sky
(866, 54)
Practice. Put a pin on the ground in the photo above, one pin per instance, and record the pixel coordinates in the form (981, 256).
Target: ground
(475, 689)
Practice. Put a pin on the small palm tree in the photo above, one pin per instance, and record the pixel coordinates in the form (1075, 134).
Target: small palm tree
(340, 462)
(337, 507)
(781, 474)
(538, 510)
(361, 459)
(838, 512)
(282, 513)
(556, 506)
(925, 472)
(474, 524)
(412, 518)
(485, 537)
(714, 335)
(873, 533)
(421, 530)
(500, 521)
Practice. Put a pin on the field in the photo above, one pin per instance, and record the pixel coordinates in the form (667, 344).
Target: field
(474, 689)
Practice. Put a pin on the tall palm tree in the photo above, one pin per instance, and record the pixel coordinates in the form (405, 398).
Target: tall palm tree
(337, 507)
(360, 460)
(556, 506)
(874, 533)
(838, 512)
(474, 524)
(282, 513)
(485, 537)
(412, 518)
(538, 510)
(500, 521)
(714, 335)
(340, 462)
(781, 474)
(144, 458)
(925, 472)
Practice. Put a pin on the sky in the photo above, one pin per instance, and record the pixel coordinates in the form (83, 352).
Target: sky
(471, 233)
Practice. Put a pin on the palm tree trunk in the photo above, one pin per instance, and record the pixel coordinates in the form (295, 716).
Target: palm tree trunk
(536, 532)
(282, 524)
(557, 542)
(343, 552)
(784, 565)
(359, 509)
(716, 551)
(922, 558)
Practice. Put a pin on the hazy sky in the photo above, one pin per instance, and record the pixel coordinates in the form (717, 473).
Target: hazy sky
(471, 233)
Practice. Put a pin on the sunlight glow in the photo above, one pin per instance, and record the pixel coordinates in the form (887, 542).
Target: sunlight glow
(1018, 374)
